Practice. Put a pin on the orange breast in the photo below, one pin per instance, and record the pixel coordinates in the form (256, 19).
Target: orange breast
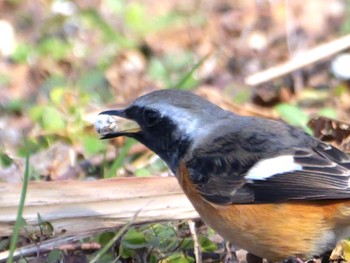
(273, 231)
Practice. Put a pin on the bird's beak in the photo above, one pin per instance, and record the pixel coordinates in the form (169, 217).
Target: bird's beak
(113, 123)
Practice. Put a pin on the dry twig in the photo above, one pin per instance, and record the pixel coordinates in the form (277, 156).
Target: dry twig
(303, 59)
(196, 246)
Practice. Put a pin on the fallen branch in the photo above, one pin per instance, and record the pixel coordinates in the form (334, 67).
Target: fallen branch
(301, 60)
(78, 209)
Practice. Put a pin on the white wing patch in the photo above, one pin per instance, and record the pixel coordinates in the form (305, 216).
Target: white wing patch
(273, 166)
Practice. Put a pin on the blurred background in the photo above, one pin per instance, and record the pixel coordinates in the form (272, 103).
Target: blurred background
(62, 62)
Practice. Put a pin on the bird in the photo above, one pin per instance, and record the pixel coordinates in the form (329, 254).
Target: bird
(263, 185)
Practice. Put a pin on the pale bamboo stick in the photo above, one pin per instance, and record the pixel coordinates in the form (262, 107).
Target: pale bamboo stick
(301, 60)
(77, 209)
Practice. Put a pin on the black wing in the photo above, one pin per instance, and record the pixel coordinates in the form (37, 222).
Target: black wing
(219, 171)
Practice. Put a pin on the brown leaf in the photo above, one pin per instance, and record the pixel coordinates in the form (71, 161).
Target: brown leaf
(332, 131)
(127, 75)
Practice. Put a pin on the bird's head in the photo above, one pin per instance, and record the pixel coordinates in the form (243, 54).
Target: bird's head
(166, 121)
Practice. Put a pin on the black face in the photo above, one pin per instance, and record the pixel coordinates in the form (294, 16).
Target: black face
(168, 122)
(159, 134)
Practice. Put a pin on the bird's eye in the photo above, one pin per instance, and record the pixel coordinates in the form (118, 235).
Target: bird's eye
(151, 117)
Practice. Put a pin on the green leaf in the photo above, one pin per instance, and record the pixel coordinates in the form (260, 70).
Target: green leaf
(95, 85)
(170, 19)
(126, 252)
(242, 96)
(179, 258)
(56, 94)
(164, 231)
(107, 258)
(207, 245)
(116, 7)
(142, 172)
(54, 47)
(104, 238)
(328, 112)
(346, 247)
(22, 53)
(345, 28)
(92, 81)
(103, 251)
(158, 72)
(54, 256)
(4, 79)
(138, 19)
(15, 105)
(153, 259)
(36, 112)
(93, 145)
(53, 81)
(5, 160)
(134, 239)
(52, 119)
(135, 16)
(94, 19)
(340, 90)
(187, 243)
(293, 115)
(46, 228)
(4, 244)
